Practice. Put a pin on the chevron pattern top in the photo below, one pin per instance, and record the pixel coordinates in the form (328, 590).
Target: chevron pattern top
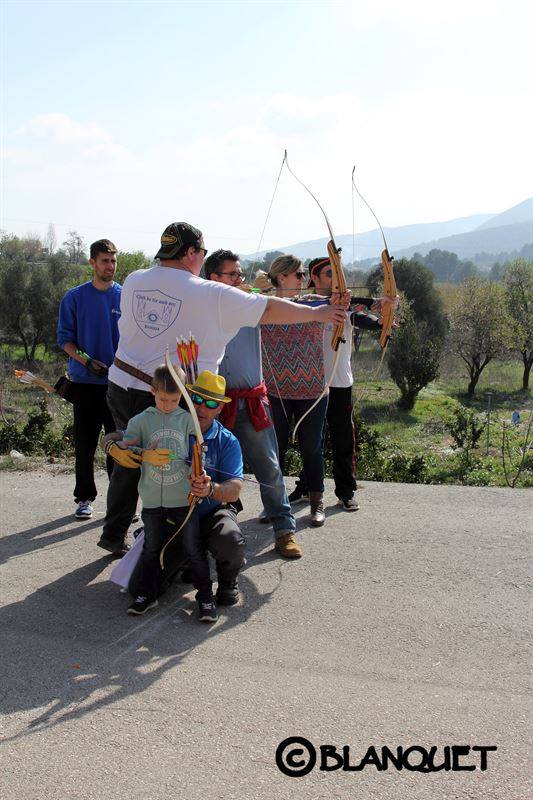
(293, 360)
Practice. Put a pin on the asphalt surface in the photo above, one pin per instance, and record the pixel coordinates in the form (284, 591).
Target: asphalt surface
(405, 624)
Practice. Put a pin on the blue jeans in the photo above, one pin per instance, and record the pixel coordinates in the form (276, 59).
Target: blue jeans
(260, 451)
(159, 525)
(309, 435)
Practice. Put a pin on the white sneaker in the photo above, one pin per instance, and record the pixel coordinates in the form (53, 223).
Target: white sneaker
(84, 510)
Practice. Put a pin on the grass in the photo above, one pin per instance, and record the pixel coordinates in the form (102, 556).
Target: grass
(403, 435)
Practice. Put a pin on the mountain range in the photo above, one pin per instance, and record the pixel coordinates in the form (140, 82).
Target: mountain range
(469, 236)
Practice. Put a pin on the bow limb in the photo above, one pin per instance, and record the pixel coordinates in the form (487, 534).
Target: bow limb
(389, 289)
(197, 451)
(389, 283)
(338, 285)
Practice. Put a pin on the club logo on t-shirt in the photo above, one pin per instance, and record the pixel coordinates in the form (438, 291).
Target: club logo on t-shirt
(154, 312)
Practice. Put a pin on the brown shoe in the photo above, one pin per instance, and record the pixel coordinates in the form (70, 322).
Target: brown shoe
(287, 546)
(317, 509)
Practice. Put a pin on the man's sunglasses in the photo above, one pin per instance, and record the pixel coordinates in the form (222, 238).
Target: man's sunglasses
(197, 400)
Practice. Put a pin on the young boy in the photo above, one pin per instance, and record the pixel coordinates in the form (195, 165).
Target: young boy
(163, 491)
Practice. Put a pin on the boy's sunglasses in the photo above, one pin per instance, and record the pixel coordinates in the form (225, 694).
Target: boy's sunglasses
(197, 400)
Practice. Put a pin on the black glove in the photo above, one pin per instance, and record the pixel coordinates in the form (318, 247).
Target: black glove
(96, 368)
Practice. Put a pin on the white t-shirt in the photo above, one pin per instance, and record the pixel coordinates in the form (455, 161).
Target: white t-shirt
(159, 304)
(343, 374)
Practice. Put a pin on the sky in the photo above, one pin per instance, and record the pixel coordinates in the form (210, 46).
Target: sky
(121, 117)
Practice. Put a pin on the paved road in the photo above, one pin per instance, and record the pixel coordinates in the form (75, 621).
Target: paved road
(404, 624)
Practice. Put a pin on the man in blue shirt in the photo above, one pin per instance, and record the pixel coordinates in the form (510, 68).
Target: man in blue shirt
(249, 414)
(87, 331)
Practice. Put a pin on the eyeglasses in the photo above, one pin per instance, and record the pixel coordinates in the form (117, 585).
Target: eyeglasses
(299, 275)
(198, 401)
(202, 250)
(233, 275)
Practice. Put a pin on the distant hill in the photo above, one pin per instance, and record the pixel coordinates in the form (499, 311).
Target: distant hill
(489, 240)
(370, 243)
(493, 234)
(523, 212)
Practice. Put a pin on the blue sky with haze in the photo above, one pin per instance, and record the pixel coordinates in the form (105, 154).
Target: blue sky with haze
(121, 117)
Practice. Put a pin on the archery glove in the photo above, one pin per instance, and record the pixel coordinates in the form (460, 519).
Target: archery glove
(159, 457)
(96, 368)
(126, 458)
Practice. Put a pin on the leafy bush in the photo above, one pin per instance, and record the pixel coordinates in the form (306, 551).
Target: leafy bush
(36, 436)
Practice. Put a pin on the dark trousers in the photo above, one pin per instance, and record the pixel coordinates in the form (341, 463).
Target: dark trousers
(91, 414)
(159, 525)
(122, 494)
(309, 435)
(222, 537)
(342, 437)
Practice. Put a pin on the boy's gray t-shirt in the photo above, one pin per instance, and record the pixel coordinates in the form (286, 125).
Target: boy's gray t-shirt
(163, 486)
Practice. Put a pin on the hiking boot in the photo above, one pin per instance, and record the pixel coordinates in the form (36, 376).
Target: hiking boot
(207, 611)
(348, 504)
(287, 546)
(227, 593)
(317, 509)
(117, 549)
(141, 605)
(299, 495)
(84, 510)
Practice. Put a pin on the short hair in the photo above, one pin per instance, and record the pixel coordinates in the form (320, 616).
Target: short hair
(163, 381)
(283, 265)
(216, 259)
(102, 246)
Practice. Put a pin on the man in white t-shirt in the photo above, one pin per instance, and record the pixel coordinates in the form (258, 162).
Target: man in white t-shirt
(170, 300)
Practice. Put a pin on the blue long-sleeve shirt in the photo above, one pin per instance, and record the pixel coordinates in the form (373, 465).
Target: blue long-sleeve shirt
(89, 318)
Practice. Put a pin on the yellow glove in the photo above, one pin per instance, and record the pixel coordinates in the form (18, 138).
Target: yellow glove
(126, 458)
(159, 457)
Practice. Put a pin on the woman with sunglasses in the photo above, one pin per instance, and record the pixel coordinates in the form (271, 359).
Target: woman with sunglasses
(293, 363)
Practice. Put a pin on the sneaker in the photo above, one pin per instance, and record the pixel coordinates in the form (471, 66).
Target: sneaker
(348, 504)
(299, 495)
(136, 517)
(117, 549)
(287, 546)
(227, 594)
(207, 611)
(84, 510)
(141, 605)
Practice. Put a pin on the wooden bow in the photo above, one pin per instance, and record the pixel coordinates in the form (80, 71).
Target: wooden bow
(198, 448)
(338, 284)
(389, 283)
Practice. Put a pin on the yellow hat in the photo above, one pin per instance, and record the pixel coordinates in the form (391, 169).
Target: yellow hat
(210, 387)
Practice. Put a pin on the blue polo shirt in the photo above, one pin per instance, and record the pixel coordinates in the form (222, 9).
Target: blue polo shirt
(223, 461)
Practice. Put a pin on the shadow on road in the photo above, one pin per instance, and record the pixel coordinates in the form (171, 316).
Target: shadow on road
(70, 649)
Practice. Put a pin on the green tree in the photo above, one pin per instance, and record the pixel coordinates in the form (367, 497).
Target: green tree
(518, 284)
(480, 327)
(130, 262)
(413, 359)
(30, 294)
(417, 283)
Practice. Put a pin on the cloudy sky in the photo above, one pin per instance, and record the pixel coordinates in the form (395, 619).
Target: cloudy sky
(120, 117)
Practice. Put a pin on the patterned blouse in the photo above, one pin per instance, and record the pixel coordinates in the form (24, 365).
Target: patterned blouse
(293, 360)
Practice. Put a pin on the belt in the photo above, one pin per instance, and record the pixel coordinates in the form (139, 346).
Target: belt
(136, 373)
